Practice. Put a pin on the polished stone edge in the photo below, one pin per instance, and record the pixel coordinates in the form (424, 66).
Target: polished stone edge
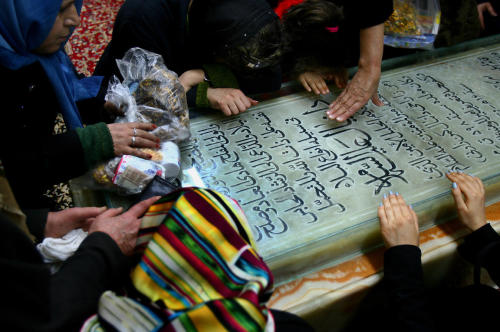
(321, 289)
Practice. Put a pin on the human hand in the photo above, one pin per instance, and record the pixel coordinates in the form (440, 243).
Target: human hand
(129, 136)
(312, 81)
(481, 8)
(229, 101)
(470, 210)
(191, 78)
(122, 227)
(398, 221)
(339, 77)
(61, 222)
(359, 90)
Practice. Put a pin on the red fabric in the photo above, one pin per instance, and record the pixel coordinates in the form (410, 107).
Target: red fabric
(89, 40)
(284, 5)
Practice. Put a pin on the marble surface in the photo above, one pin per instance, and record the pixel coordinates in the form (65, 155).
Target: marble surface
(328, 298)
(310, 187)
(406, 146)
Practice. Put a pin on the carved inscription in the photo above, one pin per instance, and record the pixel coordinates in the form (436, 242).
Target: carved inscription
(300, 177)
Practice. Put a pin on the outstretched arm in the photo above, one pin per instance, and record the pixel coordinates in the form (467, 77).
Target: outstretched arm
(482, 246)
(364, 84)
(482, 8)
(221, 92)
(403, 277)
(229, 101)
(316, 82)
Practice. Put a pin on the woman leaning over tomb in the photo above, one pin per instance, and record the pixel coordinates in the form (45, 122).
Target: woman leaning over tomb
(38, 82)
(324, 36)
(222, 50)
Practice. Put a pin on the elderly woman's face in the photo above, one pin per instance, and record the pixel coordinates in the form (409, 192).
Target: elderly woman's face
(66, 19)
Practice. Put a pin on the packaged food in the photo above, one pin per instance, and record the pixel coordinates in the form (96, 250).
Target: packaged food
(133, 174)
(149, 93)
(413, 24)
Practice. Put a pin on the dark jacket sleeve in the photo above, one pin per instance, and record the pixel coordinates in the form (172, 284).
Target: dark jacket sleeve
(36, 221)
(36, 155)
(482, 248)
(158, 26)
(407, 307)
(35, 300)
(33, 156)
(97, 265)
(366, 13)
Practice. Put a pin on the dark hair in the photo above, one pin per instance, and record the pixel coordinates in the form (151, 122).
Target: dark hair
(307, 36)
(261, 51)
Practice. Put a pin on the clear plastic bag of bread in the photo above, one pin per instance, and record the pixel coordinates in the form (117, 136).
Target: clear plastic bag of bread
(158, 96)
(149, 93)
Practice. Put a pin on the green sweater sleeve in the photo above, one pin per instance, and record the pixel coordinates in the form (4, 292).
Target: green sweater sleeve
(220, 76)
(96, 142)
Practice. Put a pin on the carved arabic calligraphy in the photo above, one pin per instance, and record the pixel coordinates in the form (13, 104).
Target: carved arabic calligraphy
(299, 176)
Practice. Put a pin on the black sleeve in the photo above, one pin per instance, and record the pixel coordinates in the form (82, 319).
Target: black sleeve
(36, 221)
(125, 36)
(288, 322)
(482, 248)
(191, 96)
(158, 26)
(32, 156)
(407, 308)
(33, 163)
(97, 265)
(273, 3)
(366, 13)
(92, 109)
(35, 300)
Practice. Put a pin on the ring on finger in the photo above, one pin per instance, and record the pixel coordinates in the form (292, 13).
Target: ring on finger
(135, 131)
(133, 141)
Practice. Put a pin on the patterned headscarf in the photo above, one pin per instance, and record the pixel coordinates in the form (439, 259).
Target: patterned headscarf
(200, 271)
(24, 25)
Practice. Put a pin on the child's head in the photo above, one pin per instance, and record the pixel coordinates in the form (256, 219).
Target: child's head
(261, 51)
(245, 35)
(315, 29)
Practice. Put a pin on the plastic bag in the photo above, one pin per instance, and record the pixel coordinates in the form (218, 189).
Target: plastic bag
(149, 93)
(413, 24)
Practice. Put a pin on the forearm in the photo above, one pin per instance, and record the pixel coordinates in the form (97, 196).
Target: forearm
(219, 76)
(191, 78)
(371, 48)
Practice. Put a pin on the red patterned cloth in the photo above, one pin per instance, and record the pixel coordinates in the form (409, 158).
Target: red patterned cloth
(90, 39)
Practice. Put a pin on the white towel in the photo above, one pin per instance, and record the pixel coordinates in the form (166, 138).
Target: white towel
(56, 250)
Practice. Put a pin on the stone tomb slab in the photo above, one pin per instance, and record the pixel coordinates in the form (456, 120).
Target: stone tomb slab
(310, 187)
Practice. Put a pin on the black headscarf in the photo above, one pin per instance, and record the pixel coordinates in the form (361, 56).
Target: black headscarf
(220, 24)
